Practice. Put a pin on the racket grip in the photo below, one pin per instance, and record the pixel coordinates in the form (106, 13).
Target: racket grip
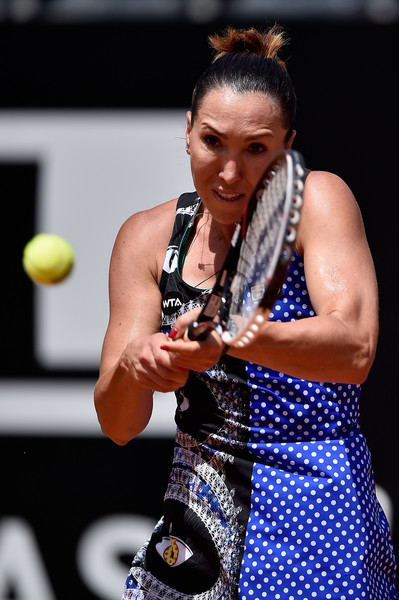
(199, 330)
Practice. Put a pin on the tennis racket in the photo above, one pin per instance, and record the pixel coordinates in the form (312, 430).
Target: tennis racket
(259, 255)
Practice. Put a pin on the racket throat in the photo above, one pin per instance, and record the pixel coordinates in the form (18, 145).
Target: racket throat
(213, 315)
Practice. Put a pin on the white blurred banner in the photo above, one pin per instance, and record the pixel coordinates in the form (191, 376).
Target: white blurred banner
(95, 170)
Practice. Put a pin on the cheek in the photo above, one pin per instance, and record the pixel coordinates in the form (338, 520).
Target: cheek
(256, 173)
(258, 170)
(202, 165)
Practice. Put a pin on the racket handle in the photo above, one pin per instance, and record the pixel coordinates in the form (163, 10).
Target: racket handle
(200, 330)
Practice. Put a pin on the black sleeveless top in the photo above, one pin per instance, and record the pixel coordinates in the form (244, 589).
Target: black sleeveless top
(179, 297)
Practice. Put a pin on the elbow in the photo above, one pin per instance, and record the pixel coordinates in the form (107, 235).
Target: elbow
(120, 430)
(114, 423)
(122, 413)
(119, 440)
(119, 434)
(111, 430)
(360, 375)
(363, 361)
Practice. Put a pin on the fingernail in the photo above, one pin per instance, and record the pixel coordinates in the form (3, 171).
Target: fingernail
(172, 333)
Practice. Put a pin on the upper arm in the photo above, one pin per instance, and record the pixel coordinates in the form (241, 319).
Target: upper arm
(338, 265)
(134, 295)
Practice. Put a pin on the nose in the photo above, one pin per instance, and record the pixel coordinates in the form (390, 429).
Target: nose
(231, 171)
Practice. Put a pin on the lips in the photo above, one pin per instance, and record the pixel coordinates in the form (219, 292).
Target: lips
(228, 197)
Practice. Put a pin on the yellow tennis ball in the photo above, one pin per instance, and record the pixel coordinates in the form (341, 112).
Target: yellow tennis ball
(48, 258)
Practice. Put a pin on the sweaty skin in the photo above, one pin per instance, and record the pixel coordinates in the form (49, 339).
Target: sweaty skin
(230, 145)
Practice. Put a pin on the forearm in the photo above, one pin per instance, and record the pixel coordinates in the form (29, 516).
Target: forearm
(123, 407)
(319, 348)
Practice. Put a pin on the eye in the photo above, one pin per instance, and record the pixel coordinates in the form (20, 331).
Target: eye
(257, 148)
(211, 140)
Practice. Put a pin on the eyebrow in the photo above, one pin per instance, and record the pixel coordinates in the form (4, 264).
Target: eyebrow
(268, 133)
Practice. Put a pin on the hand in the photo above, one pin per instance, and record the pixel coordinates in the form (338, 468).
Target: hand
(152, 367)
(194, 355)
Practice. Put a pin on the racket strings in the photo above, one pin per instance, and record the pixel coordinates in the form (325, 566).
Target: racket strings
(258, 249)
(257, 262)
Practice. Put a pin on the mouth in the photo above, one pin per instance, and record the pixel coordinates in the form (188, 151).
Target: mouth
(225, 197)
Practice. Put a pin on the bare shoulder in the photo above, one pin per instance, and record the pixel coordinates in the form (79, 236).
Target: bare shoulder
(324, 184)
(144, 237)
(329, 208)
(158, 219)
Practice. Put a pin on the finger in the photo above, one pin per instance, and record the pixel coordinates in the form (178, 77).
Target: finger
(197, 356)
(155, 369)
(162, 380)
(182, 347)
(183, 322)
(187, 347)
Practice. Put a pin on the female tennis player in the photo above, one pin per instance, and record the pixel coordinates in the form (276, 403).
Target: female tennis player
(271, 491)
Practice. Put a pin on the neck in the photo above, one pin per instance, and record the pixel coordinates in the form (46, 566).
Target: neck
(206, 251)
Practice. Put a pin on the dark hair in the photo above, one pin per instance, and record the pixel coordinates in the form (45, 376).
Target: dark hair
(248, 61)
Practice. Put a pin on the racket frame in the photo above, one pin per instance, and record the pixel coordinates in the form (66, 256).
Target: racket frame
(214, 314)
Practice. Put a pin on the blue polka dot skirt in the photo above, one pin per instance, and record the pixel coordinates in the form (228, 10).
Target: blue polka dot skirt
(271, 493)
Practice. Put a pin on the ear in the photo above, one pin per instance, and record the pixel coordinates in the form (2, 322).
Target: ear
(291, 140)
(188, 129)
(289, 143)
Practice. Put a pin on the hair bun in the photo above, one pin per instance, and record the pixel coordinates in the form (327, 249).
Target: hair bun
(250, 41)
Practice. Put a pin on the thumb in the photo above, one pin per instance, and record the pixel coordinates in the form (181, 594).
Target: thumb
(183, 322)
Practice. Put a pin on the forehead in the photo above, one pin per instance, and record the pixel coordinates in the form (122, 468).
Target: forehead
(228, 108)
